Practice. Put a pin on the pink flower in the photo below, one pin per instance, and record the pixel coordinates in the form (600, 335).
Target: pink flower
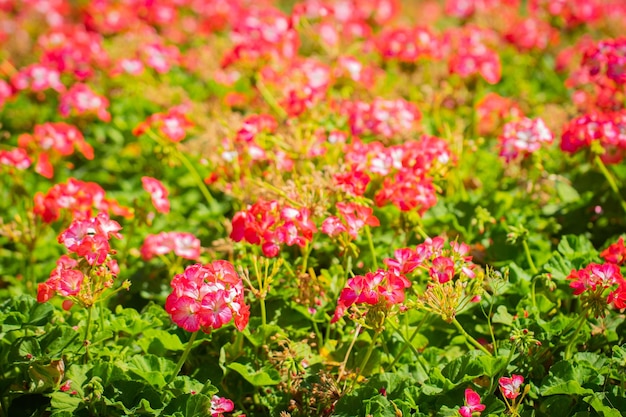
(206, 297)
(81, 99)
(185, 245)
(172, 124)
(472, 404)
(615, 253)
(158, 194)
(510, 387)
(523, 137)
(221, 405)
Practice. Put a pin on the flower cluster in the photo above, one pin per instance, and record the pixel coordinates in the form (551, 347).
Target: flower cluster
(600, 79)
(270, 224)
(523, 137)
(81, 99)
(50, 141)
(385, 287)
(452, 279)
(404, 170)
(599, 286)
(530, 33)
(185, 245)
(37, 77)
(493, 110)
(407, 44)
(470, 55)
(79, 198)
(510, 387)
(172, 124)
(158, 194)
(206, 297)
(385, 118)
(607, 129)
(82, 279)
(354, 217)
(472, 404)
(16, 157)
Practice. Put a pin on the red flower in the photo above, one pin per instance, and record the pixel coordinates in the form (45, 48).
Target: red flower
(81, 99)
(615, 253)
(158, 194)
(510, 387)
(472, 404)
(206, 297)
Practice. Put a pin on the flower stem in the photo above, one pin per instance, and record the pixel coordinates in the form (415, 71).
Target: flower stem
(87, 328)
(183, 358)
(371, 245)
(196, 176)
(529, 258)
(611, 180)
(342, 367)
(568, 348)
(469, 338)
(366, 358)
(408, 342)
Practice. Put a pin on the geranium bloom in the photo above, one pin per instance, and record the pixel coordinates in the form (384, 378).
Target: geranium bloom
(79, 197)
(158, 194)
(510, 387)
(90, 238)
(16, 157)
(615, 253)
(172, 124)
(472, 404)
(381, 286)
(523, 137)
(51, 141)
(220, 405)
(268, 224)
(185, 245)
(205, 297)
(81, 99)
(38, 77)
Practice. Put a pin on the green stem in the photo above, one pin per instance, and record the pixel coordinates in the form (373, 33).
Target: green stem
(611, 180)
(529, 258)
(183, 358)
(469, 338)
(408, 342)
(196, 176)
(87, 328)
(366, 358)
(342, 367)
(568, 349)
(270, 100)
(370, 242)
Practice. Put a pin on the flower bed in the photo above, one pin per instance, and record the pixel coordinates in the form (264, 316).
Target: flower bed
(318, 208)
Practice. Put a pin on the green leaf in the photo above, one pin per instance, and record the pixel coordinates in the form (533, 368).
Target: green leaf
(257, 378)
(262, 333)
(502, 316)
(65, 401)
(564, 378)
(596, 400)
(189, 405)
(40, 314)
(151, 368)
(157, 341)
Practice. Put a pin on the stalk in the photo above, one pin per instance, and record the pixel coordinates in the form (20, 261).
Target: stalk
(87, 328)
(366, 358)
(568, 348)
(611, 180)
(469, 338)
(529, 258)
(183, 358)
(371, 245)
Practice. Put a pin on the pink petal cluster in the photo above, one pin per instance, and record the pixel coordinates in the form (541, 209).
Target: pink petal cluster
(82, 278)
(38, 77)
(595, 277)
(606, 128)
(16, 157)
(158, 194)
(185, 245)
(510, 387)
(77, 197)
(270, 224)
(206, 297)
(354, 217)
(172, 124)
(472, 404)
(381, 117)
(523, 137)
(615, 253)
(81, 99)
(470, 53)
(220, 405)
(50, 141)
(382, 286)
